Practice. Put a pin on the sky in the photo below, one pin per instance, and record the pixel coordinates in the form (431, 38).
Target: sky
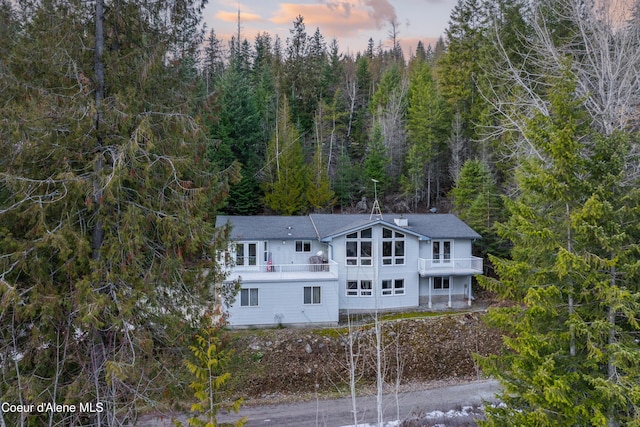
(350, 22)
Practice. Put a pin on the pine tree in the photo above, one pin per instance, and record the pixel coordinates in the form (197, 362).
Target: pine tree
(572, 345)
(346, 180)
(319, 193)
(238, 138)
(477, 202)
(209, 367)
(104, 194)
(427, 128)
(287, 175)
(376, 161)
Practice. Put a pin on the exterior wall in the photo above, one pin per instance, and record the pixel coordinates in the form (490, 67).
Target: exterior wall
(461, 248)
(281, 291)
(407, 271)
(459, 289)
(282, 252)
(283, 304)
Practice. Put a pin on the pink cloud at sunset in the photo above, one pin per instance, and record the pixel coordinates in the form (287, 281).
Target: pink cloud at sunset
(351, 22)
(233, 17)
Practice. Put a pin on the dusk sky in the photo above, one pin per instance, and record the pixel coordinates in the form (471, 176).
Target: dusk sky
(351, 22)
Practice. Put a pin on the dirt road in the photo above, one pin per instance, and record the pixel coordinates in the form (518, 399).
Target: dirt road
(338, 412)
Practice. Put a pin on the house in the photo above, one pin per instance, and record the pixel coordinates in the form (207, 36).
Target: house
(308, 269)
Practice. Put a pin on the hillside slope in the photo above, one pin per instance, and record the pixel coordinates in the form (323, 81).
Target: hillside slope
(279, 362)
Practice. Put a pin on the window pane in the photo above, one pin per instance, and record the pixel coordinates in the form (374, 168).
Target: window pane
(352, 288)
(366, 233)
(399, 235)
(244, 297)
(316, 294)
(399, 284)
(386, 287)
(365, 249)
(447, 251)
(386, 233)
(352, 249)
(352, 236)
(253, 250)
(436, 251)
(307, 295)
(365, 284)
(254, 297)
(240, 254)
(298, 246)
(307, 246)
(386, 248)
(399, 248)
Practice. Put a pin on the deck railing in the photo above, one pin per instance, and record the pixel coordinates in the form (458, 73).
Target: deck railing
(330, 266)
(454, 264)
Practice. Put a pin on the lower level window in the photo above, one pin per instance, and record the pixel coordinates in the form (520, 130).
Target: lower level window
(393, 287)
(312, 295)
(362, 288)
(440, 283)
(249, 297)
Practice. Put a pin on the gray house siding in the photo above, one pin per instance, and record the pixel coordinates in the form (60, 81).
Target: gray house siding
(322, 265)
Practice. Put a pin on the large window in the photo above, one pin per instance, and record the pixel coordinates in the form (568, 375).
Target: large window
(393, 287)
(312, 295)
(246, 254)
(362, 288)
(441, 251)
(392, 247)
(359, 248)
(440, 282)
(249, 297)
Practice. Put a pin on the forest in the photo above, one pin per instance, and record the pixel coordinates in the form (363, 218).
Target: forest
(126, 127)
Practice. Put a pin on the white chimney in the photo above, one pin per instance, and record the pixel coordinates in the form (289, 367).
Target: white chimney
(401, 222)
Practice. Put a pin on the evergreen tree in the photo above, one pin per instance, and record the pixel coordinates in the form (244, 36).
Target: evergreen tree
(104, 194)
(319, 193)
(376, 161)
(346, 181)
(209, 367)
(427, 128)
(572, 347)
(238, 138)
(287, 175)
(477, 202)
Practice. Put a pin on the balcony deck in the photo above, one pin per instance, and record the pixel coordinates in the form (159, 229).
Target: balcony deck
(451, 267)
(285, 272)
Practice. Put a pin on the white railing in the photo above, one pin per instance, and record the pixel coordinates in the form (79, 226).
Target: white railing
(473, 264)
(331, 267)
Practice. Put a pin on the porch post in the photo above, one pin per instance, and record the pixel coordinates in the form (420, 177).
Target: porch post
(430, 286)
(450, 286)
(470, 293)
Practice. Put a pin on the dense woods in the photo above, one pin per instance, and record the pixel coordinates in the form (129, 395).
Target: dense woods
(125, 127)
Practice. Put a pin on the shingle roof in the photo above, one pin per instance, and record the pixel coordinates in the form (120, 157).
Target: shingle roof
(320, 226)
(268, 227)
(434, 226)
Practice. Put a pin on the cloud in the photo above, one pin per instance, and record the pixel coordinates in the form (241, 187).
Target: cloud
(382, 11)
(338, 18)
(233, 16)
